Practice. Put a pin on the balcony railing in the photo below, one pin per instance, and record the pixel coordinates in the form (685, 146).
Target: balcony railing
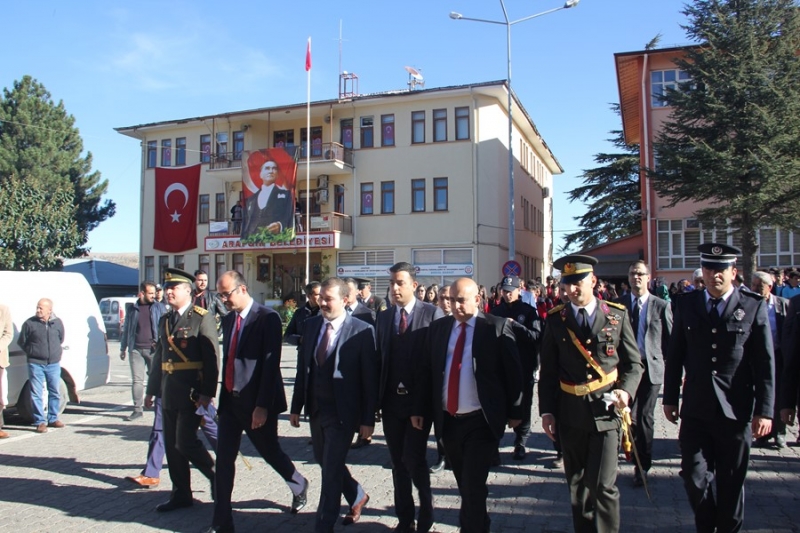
(328, 152)
(320, 223)
(225, 160)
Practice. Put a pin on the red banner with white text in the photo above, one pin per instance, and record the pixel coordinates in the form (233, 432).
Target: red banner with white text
(176, 208)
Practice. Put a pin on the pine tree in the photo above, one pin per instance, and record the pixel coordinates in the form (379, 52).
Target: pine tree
(40, 156)
(733, 138)
(612, 191)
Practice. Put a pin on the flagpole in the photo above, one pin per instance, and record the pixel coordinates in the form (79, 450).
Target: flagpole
(308, 157)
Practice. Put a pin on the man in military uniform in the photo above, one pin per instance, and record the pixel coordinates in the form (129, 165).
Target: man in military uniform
(186, 354)
(588, 350)
(373, 302)
(720, 352)
(527, 328)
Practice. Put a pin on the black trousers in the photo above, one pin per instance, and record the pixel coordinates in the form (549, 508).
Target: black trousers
(407, 449)
(590, 464)
(182, 446)
(642, 416)
(524, 428)
(715, 450)
(331, 442)
(233, 419)
(470, 446)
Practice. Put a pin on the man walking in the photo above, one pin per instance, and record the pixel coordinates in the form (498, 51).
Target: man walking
(374, 303)
(6, 336)
(588, 351)
(470, 381)
(186, 353)
(337, 384)
(400, 335)
(294, 331)
(206, 298)
(651, 321)
(720, 354)
(139, 335)
(41, 338)
(252, 395)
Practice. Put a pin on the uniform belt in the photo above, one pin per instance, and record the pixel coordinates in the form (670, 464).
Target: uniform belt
(590, 386)
(169, 366)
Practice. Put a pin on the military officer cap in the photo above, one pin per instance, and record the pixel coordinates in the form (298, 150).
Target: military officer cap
(363, 284)
(717, 256)
(575, 267)
(174, 276)
(510, 283)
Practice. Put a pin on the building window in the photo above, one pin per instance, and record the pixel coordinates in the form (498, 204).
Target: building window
(418, 196)
(338, 198)
(238, 263)
(663, 80)
(387, 130)
(417, 127)
(346, 127)
(439, 125)
(152, 147)
(316, 141)
(222, 145)
(163, 265)
(179, 261)
(220, 213)
(367, 137)
(387, 197)
(166, 153)
(205, 148)
(440, 194)
(238, 145)
(283, 139)
(204, 263)
(202, 215)
(428, 261)
(180, 151)
(149, 269)
(462, 123)
(367, 197)
(220, 268)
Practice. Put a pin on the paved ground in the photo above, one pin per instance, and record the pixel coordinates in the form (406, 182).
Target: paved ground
(72, 479)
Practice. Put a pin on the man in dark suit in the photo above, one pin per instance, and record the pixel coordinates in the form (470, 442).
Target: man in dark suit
(721, 351)
(252, 395)
(355, 308)
(651, 321)
(470, 382)
(789, 397)
(271, 208)
(590, 362)
(400, 332)
(337, 383)
(777, 312)
(294, 331)
(184, 376)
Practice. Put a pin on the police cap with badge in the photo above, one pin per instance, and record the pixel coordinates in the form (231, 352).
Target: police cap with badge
(717, 256)
(510, 283)
(575, 267)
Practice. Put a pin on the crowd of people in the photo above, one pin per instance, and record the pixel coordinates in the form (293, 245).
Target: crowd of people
(463, 364)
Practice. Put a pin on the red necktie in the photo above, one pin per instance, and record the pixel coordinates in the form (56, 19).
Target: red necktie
(403, 320)
(455, 371)
(322, 347)
(232, 354)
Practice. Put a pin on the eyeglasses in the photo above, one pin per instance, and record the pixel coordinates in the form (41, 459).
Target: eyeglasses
(226, 295)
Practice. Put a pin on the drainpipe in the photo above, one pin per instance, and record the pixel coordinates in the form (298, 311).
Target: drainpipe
(645, 146)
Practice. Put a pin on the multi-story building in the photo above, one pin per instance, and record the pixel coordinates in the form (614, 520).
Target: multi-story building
(416, 175)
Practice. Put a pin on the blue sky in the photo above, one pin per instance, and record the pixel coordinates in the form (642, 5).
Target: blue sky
(125, 63)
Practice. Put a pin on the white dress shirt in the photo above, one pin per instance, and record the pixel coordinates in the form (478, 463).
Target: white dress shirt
(468, 400)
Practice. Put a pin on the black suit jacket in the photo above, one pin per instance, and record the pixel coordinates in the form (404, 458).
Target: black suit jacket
(658, 324)
(257, 364)
(421, 317)
(364, 313)
(790, 343)
(495, 363)
(729, 365)
(355, 375)
(279, 208)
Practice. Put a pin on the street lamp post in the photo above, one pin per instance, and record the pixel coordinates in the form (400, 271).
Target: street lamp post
(508, 23)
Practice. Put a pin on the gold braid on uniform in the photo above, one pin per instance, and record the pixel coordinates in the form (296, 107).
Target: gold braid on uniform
(615, 304)
(556, 309)
(200, 311)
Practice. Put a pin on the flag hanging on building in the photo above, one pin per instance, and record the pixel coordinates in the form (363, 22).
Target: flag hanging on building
(308, 55)
(269, 183)
(176, 209)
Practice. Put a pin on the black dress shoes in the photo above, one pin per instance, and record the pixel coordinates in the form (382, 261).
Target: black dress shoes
(219, 529)
(172, 505)
(438, 467)
(519, 452)
(299, 500)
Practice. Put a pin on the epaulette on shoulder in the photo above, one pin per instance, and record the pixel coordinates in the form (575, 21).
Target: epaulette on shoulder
(200, 311)
(556, 309)
(615, 304)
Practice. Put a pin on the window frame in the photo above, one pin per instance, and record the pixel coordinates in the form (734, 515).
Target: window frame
(657, 98)
(462, 118)
(387, 130)
(437, 189)
(417, 120)
(150, 268)
(180, 151)
(152, 154)
(203, 208)
(387, 196)
(365, 190)
(418, 185)
(367, 133)
(205, 148)
(238, 145)
(440, 121)
(220, 213)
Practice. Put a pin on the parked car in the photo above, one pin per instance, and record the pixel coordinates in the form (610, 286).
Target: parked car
(114, 310)
(85, 360)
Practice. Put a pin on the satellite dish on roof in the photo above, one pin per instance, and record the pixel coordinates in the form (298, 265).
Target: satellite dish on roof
(414, 78)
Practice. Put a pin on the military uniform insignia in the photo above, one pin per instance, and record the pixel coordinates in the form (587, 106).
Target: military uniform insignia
(613, 319)
(738, 314)
(521, 319)
(614, 304)
(610, 350)
(200, 311)
(184, 344)
(556, 309)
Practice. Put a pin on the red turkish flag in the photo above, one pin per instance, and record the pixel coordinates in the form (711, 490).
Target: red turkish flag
(176, 208)
(308, 55)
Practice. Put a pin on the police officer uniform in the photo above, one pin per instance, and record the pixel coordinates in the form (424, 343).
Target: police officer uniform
(721, 352)
(186, 354)
(579, 363)
(376, 304)
(527, 327)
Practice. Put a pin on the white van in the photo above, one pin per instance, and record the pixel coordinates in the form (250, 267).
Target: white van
(85, 361)
(114, 309)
